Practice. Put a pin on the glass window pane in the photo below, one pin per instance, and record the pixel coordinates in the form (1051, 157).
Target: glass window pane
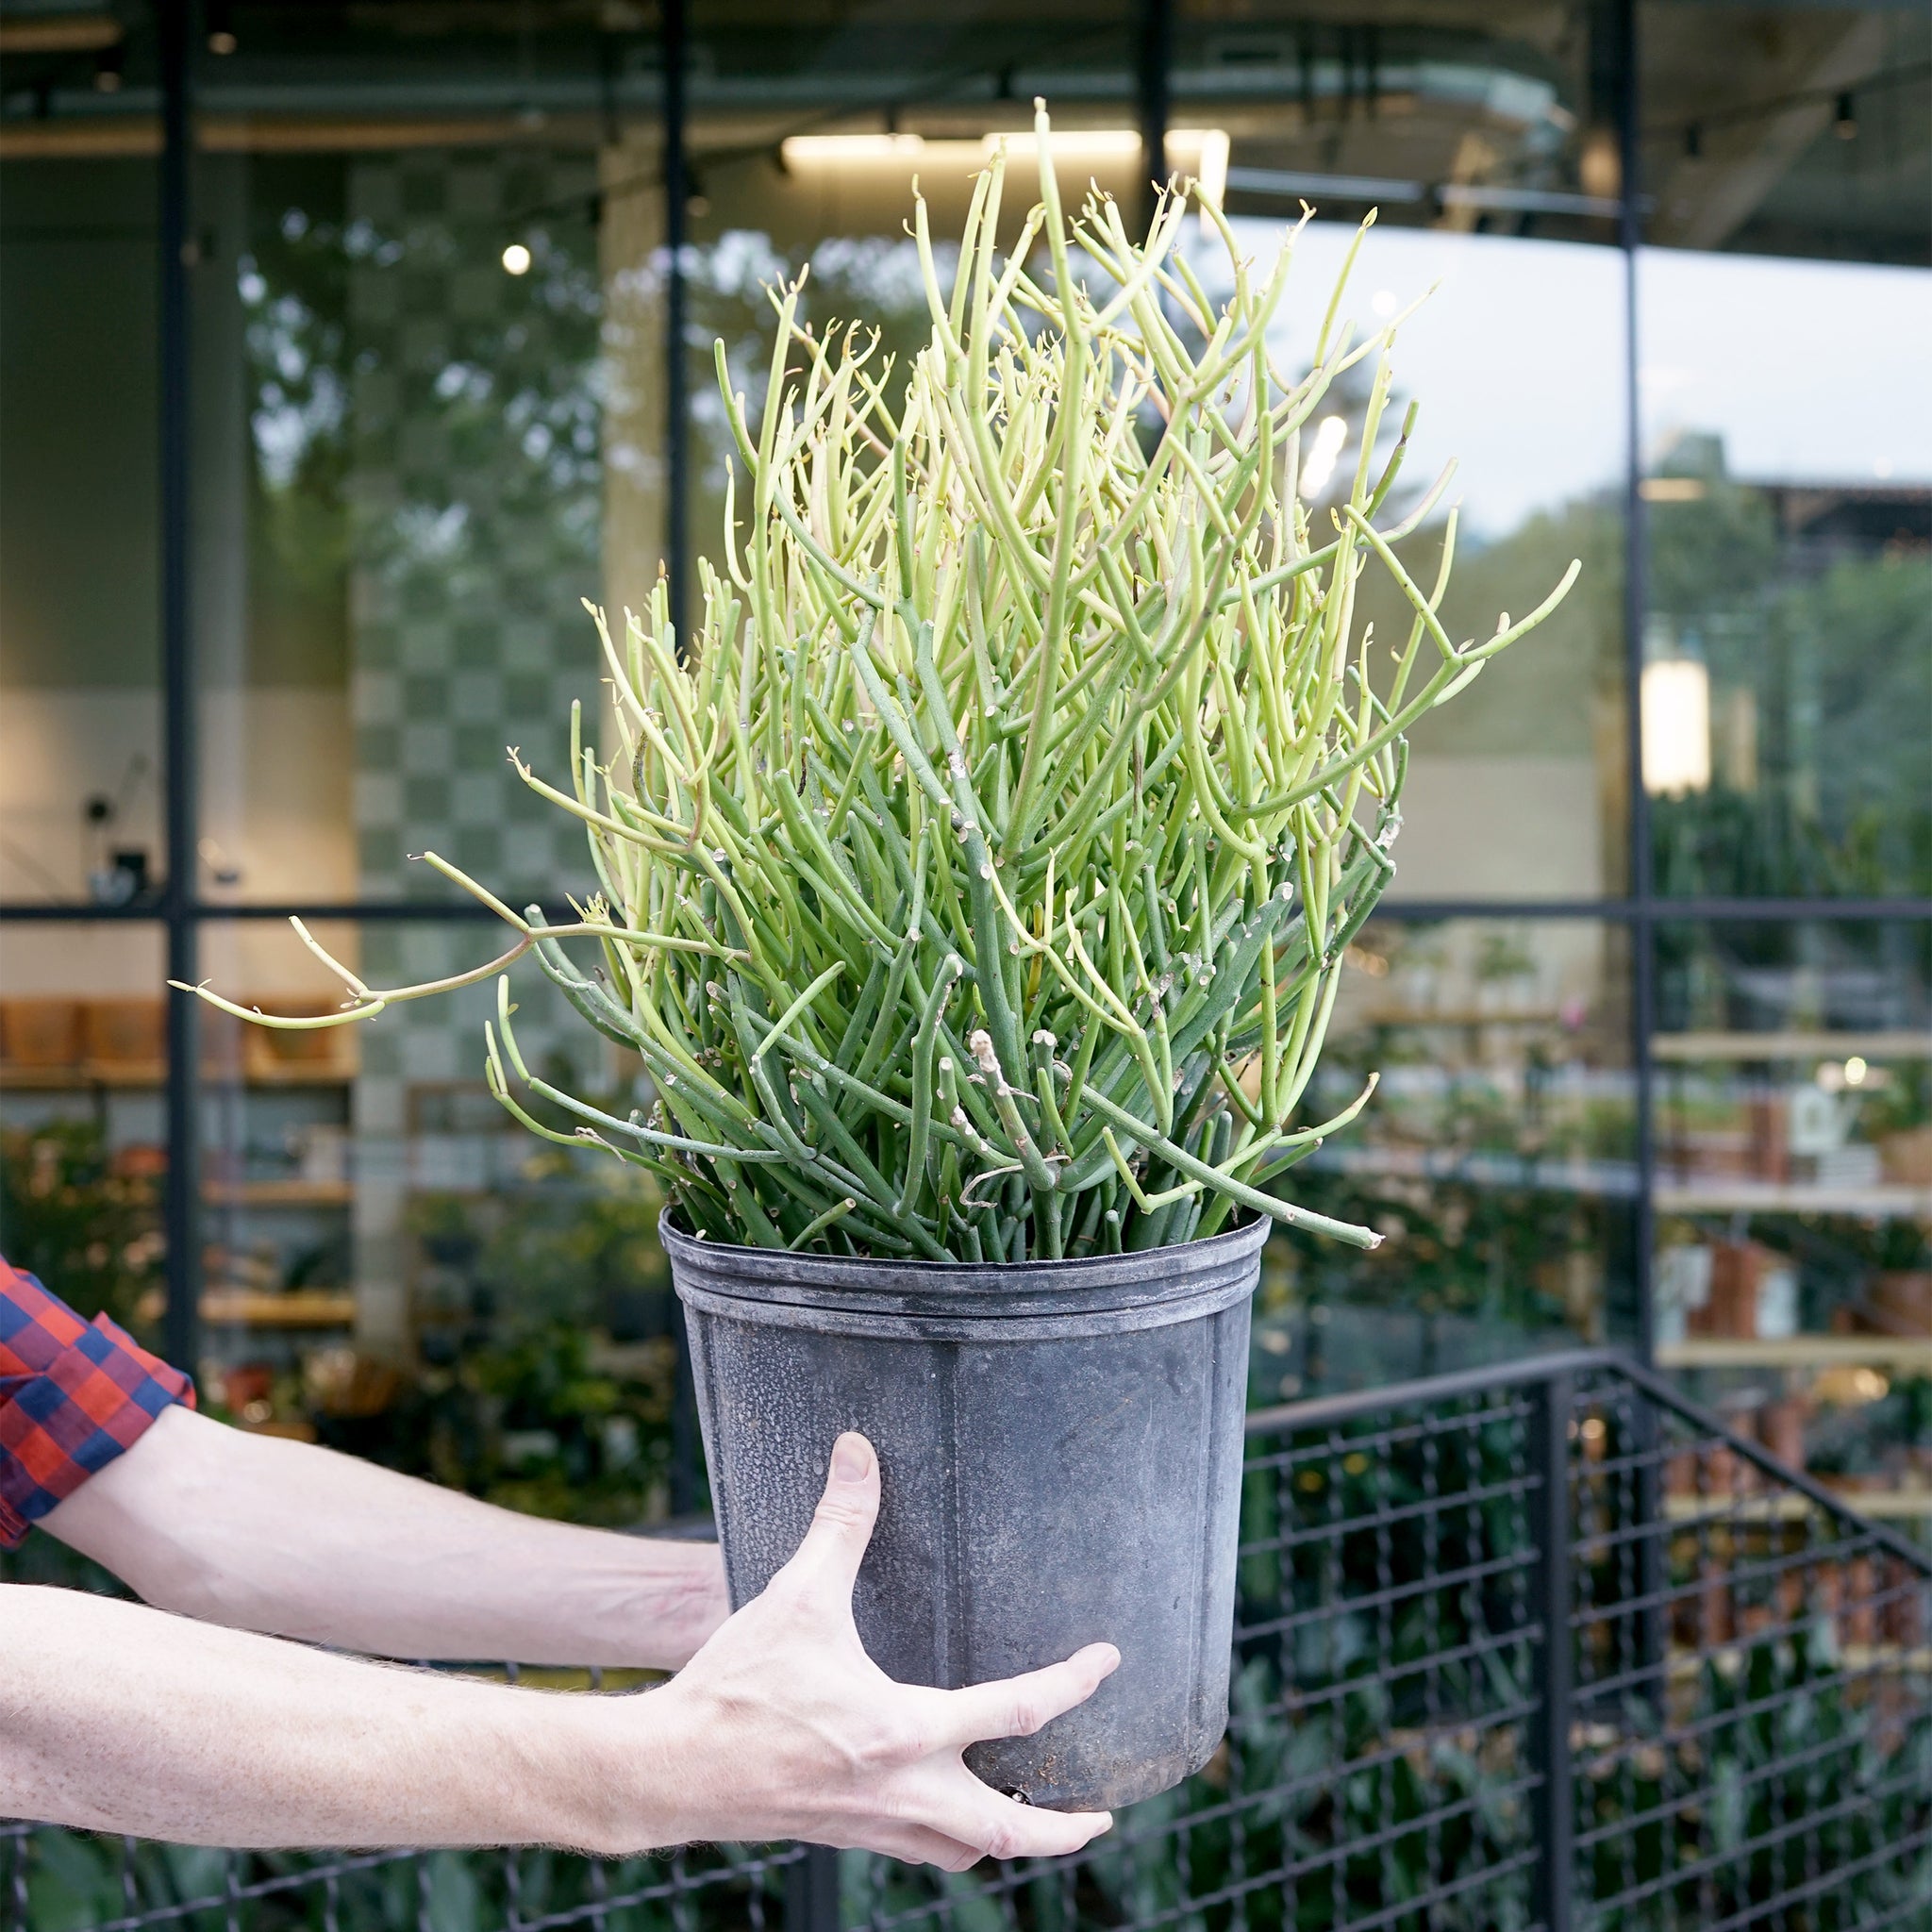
(81, 801)
(1787, 130)
(1496, 1155)
(1788, 636)
(1518, 359)
(1794, 1274)
(804, 144)
(395, 1267)
(423, 461)
(1438, 116)
(1516, 789)
(83, 1071)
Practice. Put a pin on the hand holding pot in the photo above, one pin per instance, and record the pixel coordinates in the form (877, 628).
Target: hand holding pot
(783, 1728)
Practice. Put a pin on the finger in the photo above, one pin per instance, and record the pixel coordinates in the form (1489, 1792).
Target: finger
(1018, 1707)
(916, 1846)
(835, 1545)
(971, 1813)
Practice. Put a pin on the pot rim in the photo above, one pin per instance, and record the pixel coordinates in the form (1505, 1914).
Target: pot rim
(669, 1232)
(1190, 1275)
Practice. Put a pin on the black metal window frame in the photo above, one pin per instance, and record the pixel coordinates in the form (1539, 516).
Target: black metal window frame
(182, 913)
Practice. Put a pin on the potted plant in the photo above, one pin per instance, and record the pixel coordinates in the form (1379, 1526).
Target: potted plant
(975, 884)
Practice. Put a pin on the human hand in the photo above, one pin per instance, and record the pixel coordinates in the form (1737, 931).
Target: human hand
(782, 1726)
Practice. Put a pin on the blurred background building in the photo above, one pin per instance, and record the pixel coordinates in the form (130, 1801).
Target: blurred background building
(345, 347)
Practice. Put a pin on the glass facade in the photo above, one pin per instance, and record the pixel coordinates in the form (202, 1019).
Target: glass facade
(345, 352)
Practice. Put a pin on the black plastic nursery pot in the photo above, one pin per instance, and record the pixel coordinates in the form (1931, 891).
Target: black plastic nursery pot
(1060, 1459)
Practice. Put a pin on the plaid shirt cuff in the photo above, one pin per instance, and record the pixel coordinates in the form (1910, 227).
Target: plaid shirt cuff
(73, 1395)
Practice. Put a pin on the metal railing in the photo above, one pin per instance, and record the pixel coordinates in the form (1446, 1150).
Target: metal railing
(1539, 1646)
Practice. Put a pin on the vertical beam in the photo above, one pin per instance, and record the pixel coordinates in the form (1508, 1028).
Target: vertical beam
(1620, 66)
(1647, 1444)
(1152, 55)
(1622, 76)
(677, 399)
(684, 1435)
(181, 1196)
(1552, 1820)
(811, 1891)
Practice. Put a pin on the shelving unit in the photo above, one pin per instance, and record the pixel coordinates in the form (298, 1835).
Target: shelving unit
(1733, 1098)
(1464, 1016)
(1798, 1352)
(278, 1193)
(1885, 1201)
(1883, 1044)
(133, 1076)
(298, 1308)
(61, 1058)
(295, 1309)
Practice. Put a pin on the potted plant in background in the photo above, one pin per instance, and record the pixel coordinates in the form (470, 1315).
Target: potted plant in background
(974, 888)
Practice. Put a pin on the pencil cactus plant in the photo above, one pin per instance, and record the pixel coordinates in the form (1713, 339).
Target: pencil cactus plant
(976, 879)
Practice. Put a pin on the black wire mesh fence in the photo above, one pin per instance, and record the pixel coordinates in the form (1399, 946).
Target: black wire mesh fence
(1732, 1727)
(1752, 1725)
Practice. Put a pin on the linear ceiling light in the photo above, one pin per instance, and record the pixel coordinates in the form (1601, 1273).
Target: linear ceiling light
(59, 33)
(1201, 151)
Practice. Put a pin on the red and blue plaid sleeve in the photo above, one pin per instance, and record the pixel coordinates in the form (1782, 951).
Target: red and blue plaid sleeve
(73, 1395)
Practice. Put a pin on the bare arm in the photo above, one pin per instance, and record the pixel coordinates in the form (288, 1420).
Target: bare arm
(121, 1718)
(262, 1534)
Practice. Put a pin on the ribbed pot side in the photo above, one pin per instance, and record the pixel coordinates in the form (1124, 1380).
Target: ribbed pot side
(1060, 1451)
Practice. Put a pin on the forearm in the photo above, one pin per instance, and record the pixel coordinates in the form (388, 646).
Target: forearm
(119, 1719)
(266, 1534)
(115, 1718)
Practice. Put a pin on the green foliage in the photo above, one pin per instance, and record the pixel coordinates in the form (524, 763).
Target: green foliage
(976, 880)
(1836, 667)
(89, 1233)
(1710, 553)
(1799, 1772)
(520, 1399)
(74, 1881)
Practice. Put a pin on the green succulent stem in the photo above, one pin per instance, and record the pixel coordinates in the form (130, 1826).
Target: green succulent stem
(977, 878)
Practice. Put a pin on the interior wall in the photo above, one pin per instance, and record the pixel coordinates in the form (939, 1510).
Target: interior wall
(279, 809)
(1517, 827)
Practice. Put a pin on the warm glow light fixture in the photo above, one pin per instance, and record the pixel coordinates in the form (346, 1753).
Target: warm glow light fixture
(516, 259)
(1200, 151)
(1675, 714)
(1674, 490)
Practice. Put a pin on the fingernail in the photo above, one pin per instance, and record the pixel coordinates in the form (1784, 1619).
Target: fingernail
(851, 1457)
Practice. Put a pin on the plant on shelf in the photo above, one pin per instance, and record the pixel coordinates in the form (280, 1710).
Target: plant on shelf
(974, 888)
(84, 1221)
(976, 879)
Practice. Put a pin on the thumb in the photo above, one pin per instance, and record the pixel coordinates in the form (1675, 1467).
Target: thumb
(841, 1525)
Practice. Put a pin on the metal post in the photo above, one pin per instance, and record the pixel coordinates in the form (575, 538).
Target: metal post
(684, 1435)
(1152, 59)
(181, 1194)
(1623, 75)
(677, 399)
(1552, 1820)
(811, 1891)
(1647, 1431)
